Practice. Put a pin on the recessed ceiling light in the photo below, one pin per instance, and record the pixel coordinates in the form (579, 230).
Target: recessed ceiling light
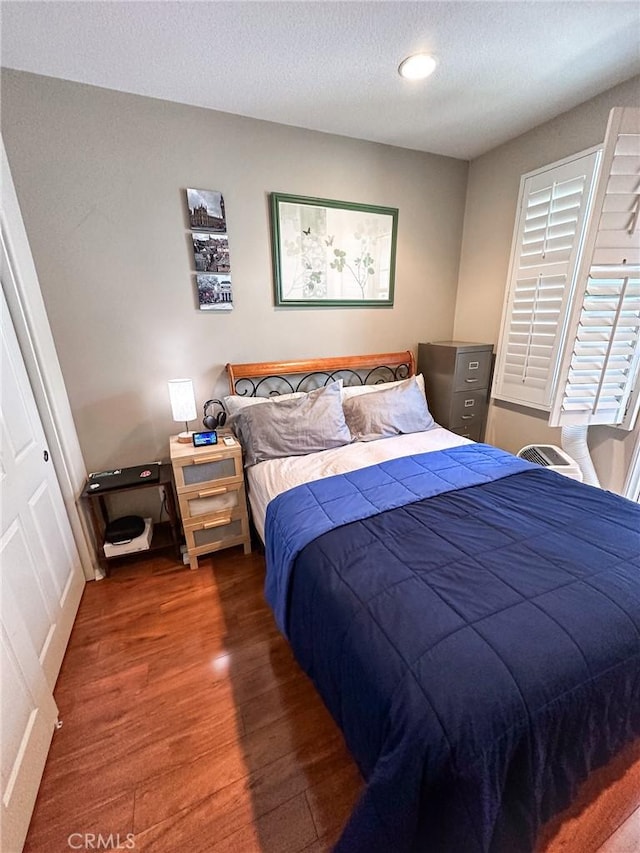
(417, 67)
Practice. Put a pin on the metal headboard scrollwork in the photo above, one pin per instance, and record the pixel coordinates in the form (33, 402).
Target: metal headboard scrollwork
(271, 379)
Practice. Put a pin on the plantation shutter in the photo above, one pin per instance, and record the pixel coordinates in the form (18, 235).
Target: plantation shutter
(553, 208)
(600, 364)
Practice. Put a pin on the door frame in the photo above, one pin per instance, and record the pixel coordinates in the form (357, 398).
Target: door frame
(28, 313)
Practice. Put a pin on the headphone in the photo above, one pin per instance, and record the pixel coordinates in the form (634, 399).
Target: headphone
(217, 420)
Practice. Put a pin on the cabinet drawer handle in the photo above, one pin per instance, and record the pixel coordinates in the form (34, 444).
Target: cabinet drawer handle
(467, 417)
(220, 522)
(202, 460)
(471, 380)
(208, 493)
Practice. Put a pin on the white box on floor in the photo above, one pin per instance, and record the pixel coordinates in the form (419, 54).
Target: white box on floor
(140, 543)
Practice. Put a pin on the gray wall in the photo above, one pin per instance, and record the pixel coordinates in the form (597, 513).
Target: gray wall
(494, 181)
(101, 175)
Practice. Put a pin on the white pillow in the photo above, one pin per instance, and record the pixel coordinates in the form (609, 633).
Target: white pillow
(235, 403)
(355, 390)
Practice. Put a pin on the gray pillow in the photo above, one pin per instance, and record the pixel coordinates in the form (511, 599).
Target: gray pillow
(292, 427)
(392, 411)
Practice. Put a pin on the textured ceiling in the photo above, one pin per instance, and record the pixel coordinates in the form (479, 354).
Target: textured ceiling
(503, 67)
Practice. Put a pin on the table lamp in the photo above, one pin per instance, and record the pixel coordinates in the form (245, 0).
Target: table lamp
(183, 405)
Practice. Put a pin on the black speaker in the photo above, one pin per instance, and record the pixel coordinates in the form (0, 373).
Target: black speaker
(217, 418)
(124, 529)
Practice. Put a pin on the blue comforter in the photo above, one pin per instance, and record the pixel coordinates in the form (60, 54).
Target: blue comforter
(479, 647)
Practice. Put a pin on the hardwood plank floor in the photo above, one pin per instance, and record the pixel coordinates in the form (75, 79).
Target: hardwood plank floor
(188, 727)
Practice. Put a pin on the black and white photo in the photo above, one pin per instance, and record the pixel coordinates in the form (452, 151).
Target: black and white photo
(206, 210)
(211, 252)
(214, 292)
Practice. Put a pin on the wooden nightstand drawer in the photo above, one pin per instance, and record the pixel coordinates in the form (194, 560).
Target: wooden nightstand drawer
(208, 467)
(209, 499)
(217, 533)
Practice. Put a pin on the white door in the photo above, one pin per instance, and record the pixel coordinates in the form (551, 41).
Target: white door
(41, 580)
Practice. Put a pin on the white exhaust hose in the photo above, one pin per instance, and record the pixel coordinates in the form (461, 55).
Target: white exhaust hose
(574, 441)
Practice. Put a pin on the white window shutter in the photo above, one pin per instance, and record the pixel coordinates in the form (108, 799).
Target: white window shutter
(601, 359)
(553, 207)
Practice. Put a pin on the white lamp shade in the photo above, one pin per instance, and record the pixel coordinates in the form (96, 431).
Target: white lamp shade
(183, 401)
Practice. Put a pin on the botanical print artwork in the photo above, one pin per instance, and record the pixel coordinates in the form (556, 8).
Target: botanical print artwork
(333, 254)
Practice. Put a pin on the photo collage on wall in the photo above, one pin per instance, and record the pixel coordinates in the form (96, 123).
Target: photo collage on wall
(208, 223)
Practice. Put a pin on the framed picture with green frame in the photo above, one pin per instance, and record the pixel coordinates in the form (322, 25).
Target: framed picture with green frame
(332, 253)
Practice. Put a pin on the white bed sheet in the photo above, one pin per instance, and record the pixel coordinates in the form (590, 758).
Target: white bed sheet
(268, 479)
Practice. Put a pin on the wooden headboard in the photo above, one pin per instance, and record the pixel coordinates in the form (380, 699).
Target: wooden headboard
(271, 378)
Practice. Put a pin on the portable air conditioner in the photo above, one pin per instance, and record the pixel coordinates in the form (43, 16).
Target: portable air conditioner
(551, 457)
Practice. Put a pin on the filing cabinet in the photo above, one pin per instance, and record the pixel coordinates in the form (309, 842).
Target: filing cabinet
(457, 377)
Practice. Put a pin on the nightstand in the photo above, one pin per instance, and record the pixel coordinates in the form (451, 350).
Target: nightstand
(457, 376)
(211, 495)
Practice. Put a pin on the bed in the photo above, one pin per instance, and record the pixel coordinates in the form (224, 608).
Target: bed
(471, 620)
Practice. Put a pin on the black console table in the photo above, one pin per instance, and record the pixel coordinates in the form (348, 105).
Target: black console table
(165, 534)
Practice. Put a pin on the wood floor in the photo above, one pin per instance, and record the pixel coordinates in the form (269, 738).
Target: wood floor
(187, 723)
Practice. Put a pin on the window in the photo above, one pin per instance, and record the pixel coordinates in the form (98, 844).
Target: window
(599, 369)
(570, 335)
(553, 207)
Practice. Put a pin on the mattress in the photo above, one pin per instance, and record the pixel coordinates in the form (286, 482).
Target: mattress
(268, 479)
